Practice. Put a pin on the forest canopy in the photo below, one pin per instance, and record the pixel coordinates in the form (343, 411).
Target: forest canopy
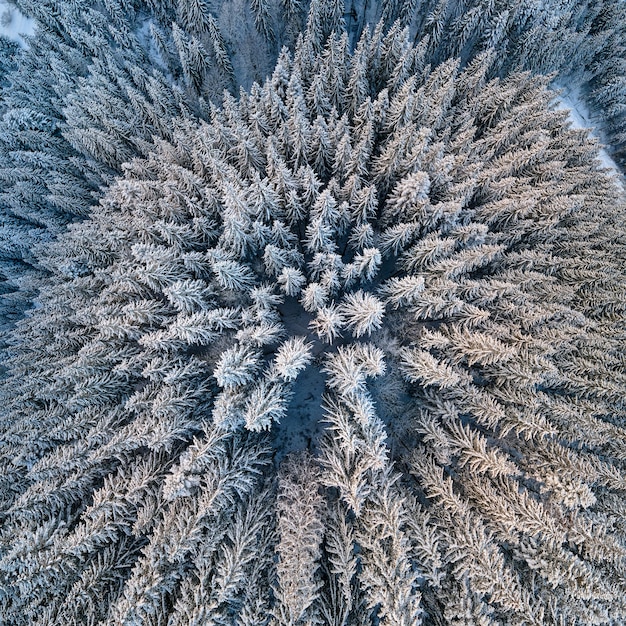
(330, 335)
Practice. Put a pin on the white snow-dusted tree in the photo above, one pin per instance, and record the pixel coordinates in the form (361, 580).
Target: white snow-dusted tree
(300, 530)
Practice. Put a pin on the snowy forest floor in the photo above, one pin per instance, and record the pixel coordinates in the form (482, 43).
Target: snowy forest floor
(570, 100)
(13, 24)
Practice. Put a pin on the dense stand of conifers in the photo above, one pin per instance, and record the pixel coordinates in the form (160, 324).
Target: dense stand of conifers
(101, 81)
(394, 208)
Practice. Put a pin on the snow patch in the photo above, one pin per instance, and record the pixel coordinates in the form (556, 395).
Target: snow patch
(13, 24)
(571, 101)
(302, 427)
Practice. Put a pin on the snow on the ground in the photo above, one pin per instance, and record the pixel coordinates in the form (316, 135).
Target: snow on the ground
(579, 116)
(302, 427)
(13, 24)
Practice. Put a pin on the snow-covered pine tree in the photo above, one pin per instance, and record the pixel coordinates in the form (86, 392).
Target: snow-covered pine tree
(300, 511)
